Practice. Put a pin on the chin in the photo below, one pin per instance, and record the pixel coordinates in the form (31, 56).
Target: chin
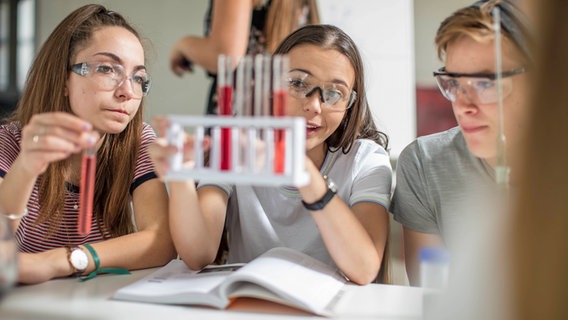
(113, 129)
(482, 151)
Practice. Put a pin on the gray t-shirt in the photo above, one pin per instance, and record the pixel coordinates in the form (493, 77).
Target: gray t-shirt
(261, 218)
(441, 186)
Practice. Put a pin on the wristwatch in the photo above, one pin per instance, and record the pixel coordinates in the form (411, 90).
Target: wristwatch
(321, 203)
(78, 260)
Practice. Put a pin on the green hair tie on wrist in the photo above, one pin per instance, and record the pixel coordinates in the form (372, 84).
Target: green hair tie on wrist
(98, 269)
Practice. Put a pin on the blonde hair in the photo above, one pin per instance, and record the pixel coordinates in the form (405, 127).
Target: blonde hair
(279, 25)
(476, 22)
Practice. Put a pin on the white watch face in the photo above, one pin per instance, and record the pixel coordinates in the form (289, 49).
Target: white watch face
(79, 259)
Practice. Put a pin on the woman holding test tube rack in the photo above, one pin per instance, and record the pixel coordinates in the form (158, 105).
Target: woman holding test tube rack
(340, 216)
(82, 107)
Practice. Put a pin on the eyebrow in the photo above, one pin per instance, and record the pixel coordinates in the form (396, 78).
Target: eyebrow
(336, 81)
(118, 60)
(491, 76)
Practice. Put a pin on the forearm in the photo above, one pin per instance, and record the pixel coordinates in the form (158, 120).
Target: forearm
(196, 239)
(229, 35)
(356, 254)
(143, 249)
(138, 250)
(203, 52)
(357, 249)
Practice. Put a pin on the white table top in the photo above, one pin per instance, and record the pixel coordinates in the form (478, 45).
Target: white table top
(71, 299)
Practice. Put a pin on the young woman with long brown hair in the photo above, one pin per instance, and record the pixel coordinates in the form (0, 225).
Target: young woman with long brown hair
(85, 90)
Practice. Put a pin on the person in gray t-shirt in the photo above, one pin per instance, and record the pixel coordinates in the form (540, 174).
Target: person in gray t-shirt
(440, 177)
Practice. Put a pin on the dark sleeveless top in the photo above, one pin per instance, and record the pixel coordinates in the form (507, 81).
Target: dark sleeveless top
(256, 44)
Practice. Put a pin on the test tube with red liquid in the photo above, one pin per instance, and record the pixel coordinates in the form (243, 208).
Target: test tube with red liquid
(279, 93)
(87, 190)
(224, 104)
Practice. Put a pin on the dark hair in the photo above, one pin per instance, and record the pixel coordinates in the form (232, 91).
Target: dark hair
(476, 21)
(45, 92)
(358, 122)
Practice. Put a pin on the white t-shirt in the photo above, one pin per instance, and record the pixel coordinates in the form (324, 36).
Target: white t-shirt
(261, 218)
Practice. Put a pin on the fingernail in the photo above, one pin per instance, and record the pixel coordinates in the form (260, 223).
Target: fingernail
(91, 140)
(87, 126)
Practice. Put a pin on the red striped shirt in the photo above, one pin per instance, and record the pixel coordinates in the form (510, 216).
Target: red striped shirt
(32, 237)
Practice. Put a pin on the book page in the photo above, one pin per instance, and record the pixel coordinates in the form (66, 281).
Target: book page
(292, 276)
(175, 283)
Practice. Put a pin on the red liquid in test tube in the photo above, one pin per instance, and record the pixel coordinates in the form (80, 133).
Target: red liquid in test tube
(87, 191)
(224, 104)
(279, 103)
(225, 108)
(279, 93)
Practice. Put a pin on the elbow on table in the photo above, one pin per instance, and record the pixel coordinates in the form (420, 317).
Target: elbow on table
(364, 277)
(197, 259)
(365, 273)
(195, 263)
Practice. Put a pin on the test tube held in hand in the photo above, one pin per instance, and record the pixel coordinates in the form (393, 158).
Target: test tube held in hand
(224, 103)
(87, 190)
(279, 87)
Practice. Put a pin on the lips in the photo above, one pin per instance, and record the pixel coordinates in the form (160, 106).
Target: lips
(311, 128)
(470, 129)
(121, 111)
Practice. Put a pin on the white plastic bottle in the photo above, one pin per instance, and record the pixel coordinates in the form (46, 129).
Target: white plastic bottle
(434, 268)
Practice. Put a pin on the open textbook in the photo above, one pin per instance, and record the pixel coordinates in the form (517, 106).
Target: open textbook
(280, 275)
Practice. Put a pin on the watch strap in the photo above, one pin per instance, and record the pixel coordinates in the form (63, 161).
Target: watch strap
(321, 203)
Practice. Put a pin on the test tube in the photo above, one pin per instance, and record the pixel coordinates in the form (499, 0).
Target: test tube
(174, 136)
(247, 87)
(87, 191)
(199, 137)
(279, 93)
(266, 61)
(257, 85)
(224, 103)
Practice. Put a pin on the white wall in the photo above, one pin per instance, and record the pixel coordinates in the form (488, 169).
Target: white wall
(383, 32)
(428, 14)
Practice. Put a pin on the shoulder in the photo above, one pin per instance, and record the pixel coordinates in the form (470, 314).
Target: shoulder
(363, 148)
(12, 128)
(441, 144)
(364, 155)
(11, 133)
(147, 131)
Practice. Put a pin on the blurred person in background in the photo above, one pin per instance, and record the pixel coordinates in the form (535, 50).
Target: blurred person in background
(236, 28)
(539, 222)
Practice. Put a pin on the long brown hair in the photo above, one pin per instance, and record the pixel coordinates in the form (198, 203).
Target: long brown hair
(279, 25)
(357, 122)
(45, 92)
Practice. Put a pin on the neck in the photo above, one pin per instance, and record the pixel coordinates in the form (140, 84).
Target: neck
(317, 155)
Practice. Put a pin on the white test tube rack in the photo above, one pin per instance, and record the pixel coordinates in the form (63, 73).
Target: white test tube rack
(245, 133)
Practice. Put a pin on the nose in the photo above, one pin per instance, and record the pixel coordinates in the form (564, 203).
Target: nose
(313, 102)
(313, 91)
(464, 101)
(126, 89)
